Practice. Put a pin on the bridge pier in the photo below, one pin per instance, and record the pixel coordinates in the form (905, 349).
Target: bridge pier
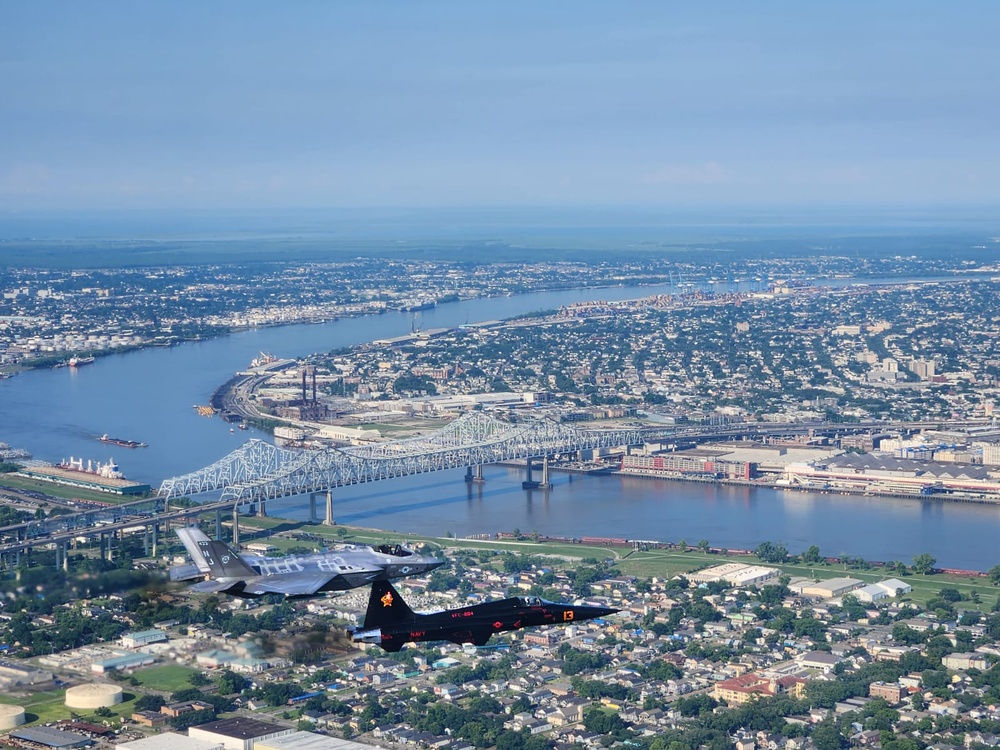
(531, 484)
(477, 477)
(155, 529)
(329, 509)
(236, 526)
(218, 525)
(261, 509)
(312, 507)
(62, 556)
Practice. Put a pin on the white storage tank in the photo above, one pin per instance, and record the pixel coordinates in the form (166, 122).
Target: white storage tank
(94, 695)
(10, 717)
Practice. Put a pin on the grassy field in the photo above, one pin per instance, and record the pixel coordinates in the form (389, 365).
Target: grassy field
(51, 706)
(39, 707)
(662, 563)
(168, 678)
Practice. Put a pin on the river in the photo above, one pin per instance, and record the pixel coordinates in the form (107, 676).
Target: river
(148, 395)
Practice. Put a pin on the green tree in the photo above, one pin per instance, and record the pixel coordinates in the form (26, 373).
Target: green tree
(827, 736)
(771, 553)
(703, 546)
(811, 555)
(994, 574)
(924, 563)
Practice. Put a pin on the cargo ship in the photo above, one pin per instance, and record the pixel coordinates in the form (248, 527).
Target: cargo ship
(80, 361)
(123, 443)
(109, 470)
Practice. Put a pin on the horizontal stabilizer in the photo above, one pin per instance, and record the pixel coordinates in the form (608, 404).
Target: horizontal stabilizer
(185, 572)
(210, 587)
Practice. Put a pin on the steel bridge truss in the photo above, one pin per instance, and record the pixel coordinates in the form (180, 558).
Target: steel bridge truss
(259, 471)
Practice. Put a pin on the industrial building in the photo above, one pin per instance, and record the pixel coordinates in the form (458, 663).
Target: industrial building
(238, 733)
(899, 476)
(882, 590)
(309, 741)
(692, 463)
(143, 638)
(49, 737)
(122, 662)
(736, 574)
(169, 741)
(825, 589)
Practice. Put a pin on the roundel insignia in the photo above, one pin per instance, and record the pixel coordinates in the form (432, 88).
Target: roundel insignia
(225, 559)
(498, 625)
(405, 569)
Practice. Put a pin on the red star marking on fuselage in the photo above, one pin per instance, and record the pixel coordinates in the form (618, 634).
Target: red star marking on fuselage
(387, 599)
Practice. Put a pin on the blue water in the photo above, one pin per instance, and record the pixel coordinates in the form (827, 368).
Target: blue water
(148, 396)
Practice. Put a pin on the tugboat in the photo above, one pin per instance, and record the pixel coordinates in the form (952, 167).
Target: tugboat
(123, 443)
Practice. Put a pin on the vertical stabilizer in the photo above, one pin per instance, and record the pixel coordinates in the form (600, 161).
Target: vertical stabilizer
(224, 562)
(192, 536)
(386, 607)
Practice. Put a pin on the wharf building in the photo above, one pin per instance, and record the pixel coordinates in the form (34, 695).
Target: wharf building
(873, 474)
(696, 463)
(73, 476)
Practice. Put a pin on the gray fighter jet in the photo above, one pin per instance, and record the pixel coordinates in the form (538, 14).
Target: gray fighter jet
(297, 576)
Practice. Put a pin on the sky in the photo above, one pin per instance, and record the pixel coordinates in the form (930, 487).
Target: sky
(267, 105)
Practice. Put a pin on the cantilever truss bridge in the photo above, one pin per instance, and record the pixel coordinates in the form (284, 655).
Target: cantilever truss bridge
(260, 471)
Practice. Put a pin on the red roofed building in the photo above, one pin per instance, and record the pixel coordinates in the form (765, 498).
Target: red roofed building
(745, 688)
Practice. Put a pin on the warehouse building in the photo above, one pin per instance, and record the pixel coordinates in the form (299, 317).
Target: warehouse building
(826, 589)
(736, 574)
(239, 733)
(49, 737)
(143, 638)
(309, 741)
(887, 589)
(169, 741)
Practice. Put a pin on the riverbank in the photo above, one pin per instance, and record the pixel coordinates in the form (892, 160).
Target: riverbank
(668, 560)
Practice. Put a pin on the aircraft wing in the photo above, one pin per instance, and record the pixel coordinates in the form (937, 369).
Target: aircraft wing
(289, 584)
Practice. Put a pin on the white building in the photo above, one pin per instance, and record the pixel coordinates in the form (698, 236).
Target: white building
(239, 733)
(169, 741)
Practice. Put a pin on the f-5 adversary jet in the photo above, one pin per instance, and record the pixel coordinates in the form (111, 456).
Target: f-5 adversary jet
(390, 623)
(250, 576)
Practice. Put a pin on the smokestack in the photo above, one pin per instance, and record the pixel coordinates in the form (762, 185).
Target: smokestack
(305, 400)
(314, 385)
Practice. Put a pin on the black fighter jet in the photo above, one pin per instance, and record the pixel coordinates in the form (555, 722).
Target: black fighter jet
(390, 622)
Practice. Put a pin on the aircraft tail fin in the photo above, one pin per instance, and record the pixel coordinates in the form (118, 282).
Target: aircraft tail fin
(223, 561)
(386, 606)
(192, 536)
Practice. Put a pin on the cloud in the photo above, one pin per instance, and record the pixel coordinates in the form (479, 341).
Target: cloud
(24, 178)
(709, 173)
